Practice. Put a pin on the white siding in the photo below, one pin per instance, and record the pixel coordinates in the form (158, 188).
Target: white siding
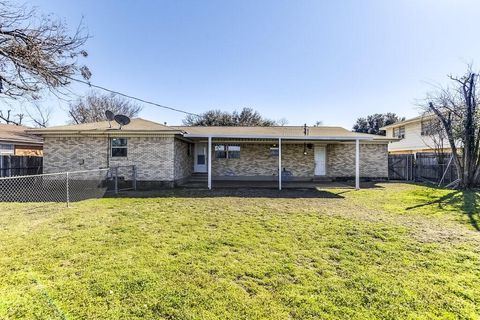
(413, 141)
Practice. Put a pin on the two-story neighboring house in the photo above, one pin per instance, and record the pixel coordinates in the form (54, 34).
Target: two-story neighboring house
(414, 136)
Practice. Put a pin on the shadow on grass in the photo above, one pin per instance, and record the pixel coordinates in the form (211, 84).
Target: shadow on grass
(466, 202)
(238, 192)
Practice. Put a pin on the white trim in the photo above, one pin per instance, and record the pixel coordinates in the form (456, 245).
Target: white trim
(200, 148)
(279, 163)
(209, 161)
(351, 138)
(357, 164)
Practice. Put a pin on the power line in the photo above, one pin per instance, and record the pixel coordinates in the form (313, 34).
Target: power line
(134, 98)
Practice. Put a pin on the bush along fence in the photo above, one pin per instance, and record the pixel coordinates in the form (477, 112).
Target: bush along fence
(67, 187)
(433, 168)
(20, 165)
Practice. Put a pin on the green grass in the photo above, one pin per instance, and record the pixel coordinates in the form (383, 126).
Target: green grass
(395, 251)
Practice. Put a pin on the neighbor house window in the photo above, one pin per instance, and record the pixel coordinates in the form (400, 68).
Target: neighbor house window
(399, 132)
(227, 152)
(7, 149)
(429, 127)
(119, 147)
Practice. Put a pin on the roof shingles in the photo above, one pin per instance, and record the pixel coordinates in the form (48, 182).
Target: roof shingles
(17, 134)
(141, 125)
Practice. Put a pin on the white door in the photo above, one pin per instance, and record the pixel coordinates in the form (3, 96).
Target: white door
(200, 157)
(320, 160)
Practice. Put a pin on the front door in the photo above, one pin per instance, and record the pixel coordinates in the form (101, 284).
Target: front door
(200, 157)
(320, 160)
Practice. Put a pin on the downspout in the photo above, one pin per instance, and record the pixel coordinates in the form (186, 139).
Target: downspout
(108, 150)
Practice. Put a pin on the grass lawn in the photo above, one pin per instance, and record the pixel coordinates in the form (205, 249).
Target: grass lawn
(393, 251)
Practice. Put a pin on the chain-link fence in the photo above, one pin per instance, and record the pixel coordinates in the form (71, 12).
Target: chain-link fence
(67, 187)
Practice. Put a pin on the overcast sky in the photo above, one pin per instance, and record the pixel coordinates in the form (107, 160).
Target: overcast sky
(305, 61)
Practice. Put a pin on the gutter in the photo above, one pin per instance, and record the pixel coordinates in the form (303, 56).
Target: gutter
(352, 138)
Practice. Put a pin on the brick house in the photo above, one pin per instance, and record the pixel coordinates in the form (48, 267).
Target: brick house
(170, 155)
(14, 141)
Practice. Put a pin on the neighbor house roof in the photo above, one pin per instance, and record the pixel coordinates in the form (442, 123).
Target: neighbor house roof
(407, 121)
(136, 125)
(10, 133)
(287, 132)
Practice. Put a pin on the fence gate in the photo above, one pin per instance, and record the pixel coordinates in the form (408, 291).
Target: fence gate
(401, 167)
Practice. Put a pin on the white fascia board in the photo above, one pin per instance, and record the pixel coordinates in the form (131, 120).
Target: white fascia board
(234, 136)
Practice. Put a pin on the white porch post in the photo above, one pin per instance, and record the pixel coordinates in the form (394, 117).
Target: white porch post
(209, 156)
(357, 164)
(279, 163)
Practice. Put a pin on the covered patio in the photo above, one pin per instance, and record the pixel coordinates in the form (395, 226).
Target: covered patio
(216, 146)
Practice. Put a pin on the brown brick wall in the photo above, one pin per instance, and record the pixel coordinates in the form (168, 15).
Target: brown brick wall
(373, 160)
(168, 159)
(183, 159)
(68, 154)
(255, 160)
(153, 156)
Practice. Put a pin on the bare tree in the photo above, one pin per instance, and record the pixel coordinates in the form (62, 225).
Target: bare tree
(282, 122)
(37, 52)
(92, 107)
(9, 118)
(434, 136)
(456, 107)
(39, 115)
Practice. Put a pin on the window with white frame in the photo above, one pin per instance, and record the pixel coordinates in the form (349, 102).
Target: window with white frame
(429, 127)
(233, 152)
(119, 147)
(220, 151)
(227, 152)
(399, 132)
(7, 149)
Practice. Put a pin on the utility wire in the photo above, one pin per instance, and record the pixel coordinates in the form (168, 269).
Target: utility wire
(132, 97)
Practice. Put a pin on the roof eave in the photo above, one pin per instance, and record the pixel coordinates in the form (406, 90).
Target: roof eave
(101, 132)
(352, 138)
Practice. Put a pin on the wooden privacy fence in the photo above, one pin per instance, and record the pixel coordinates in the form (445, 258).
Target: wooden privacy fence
(401, 167)
(428, 167)
(11, 166)
(431, 167)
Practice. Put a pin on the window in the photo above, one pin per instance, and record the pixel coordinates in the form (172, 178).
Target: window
(274, 151)
(227, 152)
(220, 151)
(233, 152)
(7, 149)
(399, 132)
(429, 127)
(200, 159)
(119, 147)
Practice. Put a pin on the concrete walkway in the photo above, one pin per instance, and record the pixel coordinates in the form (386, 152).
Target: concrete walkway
(267, 184)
